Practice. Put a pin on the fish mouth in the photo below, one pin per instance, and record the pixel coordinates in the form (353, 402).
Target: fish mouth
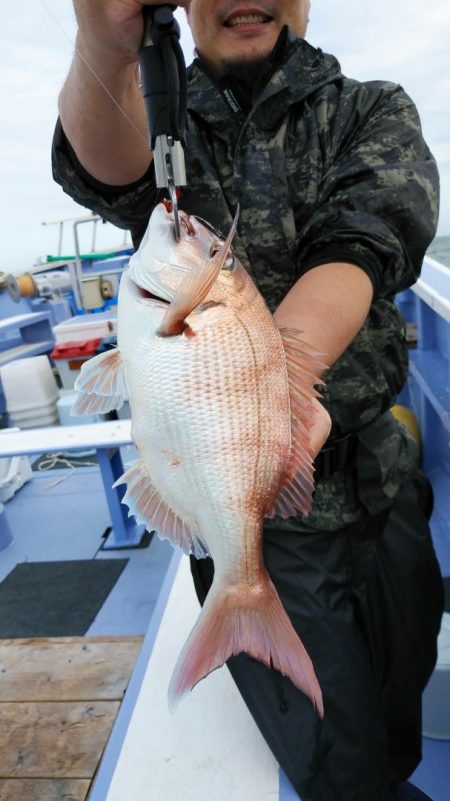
(186, 221)
(145, 295)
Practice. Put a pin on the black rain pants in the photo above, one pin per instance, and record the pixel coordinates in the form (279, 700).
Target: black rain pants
(367, 602)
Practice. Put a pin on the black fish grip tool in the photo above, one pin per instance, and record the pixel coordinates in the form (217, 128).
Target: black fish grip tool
(164, 88)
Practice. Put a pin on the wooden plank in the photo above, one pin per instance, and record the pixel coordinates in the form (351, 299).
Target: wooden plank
(66, 668)
(44, 790)
(54, 740)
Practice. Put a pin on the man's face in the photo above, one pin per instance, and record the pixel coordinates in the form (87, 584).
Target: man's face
(228, 31)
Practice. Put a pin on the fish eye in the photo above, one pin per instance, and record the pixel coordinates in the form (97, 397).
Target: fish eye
(230, 263)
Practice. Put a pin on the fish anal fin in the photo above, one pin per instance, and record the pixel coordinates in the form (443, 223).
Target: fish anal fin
(304, 367)
(147, 505)
(232, 622)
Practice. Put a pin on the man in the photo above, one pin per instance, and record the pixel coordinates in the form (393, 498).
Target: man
(338, 197)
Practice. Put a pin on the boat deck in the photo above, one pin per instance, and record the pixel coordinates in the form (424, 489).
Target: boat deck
(63, 515)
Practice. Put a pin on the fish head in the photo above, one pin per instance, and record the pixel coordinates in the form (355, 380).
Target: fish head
(162, 263)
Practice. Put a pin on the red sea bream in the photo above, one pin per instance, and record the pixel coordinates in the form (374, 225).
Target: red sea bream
(221, 403)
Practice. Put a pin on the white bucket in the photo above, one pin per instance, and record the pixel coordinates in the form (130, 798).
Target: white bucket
(16, 418)
(36, 421)
(15, 471)
(28, 383)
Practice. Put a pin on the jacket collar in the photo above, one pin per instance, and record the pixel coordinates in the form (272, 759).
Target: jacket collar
(303, 70)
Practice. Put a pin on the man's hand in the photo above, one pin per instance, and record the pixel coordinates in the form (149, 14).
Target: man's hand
(112, 28)
(101, 106)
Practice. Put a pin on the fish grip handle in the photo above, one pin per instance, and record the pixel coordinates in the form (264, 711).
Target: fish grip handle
(163, 74)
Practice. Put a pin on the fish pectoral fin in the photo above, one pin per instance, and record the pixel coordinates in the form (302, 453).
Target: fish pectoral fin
(304, 367)
(95, 404)
(194, 288)
(101, 384)
(147, 505)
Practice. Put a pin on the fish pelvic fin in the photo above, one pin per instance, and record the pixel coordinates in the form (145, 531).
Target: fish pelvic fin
(101, 384)
(257, 624)
(194, 288)
(147, 505)
(304, 368)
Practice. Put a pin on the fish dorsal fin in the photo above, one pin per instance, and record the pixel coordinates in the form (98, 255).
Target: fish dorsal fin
(194, 288)
(101, 384)
(304, 369)
(148, 507)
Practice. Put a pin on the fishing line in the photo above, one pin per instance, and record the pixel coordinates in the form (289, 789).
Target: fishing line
(92, 71)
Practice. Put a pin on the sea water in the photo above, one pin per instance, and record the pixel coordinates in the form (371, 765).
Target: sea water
(440, 250)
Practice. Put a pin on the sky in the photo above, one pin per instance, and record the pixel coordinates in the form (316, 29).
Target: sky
(405, 41)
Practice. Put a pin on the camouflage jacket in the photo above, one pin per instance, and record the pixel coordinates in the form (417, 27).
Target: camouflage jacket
(325, 169)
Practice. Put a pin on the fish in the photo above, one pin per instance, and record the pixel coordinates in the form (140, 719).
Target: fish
(221, 403)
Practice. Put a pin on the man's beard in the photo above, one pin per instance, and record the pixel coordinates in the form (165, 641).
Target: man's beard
(246, 71)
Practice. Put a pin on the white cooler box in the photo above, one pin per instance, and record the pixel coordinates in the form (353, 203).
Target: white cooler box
(86, 326)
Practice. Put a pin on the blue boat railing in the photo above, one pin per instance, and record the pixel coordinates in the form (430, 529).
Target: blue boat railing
(426, 309)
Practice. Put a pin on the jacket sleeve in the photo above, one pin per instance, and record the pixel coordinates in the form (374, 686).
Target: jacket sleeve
(379, 196)
(128, 207)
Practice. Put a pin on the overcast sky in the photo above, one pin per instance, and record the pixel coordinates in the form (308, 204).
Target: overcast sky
(406, 41)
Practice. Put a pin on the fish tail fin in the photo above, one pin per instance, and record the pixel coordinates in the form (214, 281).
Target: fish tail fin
(257, 624)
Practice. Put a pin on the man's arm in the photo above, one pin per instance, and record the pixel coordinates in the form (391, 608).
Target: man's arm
(328, 304)
(378, 201)
(109, 138)
(376, 215)
(110, 147)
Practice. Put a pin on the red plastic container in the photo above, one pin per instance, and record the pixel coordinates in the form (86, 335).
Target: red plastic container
(69, 358)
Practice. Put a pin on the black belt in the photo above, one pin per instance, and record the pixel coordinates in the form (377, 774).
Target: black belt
(335, 456)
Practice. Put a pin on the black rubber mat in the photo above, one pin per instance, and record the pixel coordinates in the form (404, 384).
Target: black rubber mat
(55, 599)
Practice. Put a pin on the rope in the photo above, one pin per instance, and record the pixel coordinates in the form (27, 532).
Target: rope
(60, 459)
